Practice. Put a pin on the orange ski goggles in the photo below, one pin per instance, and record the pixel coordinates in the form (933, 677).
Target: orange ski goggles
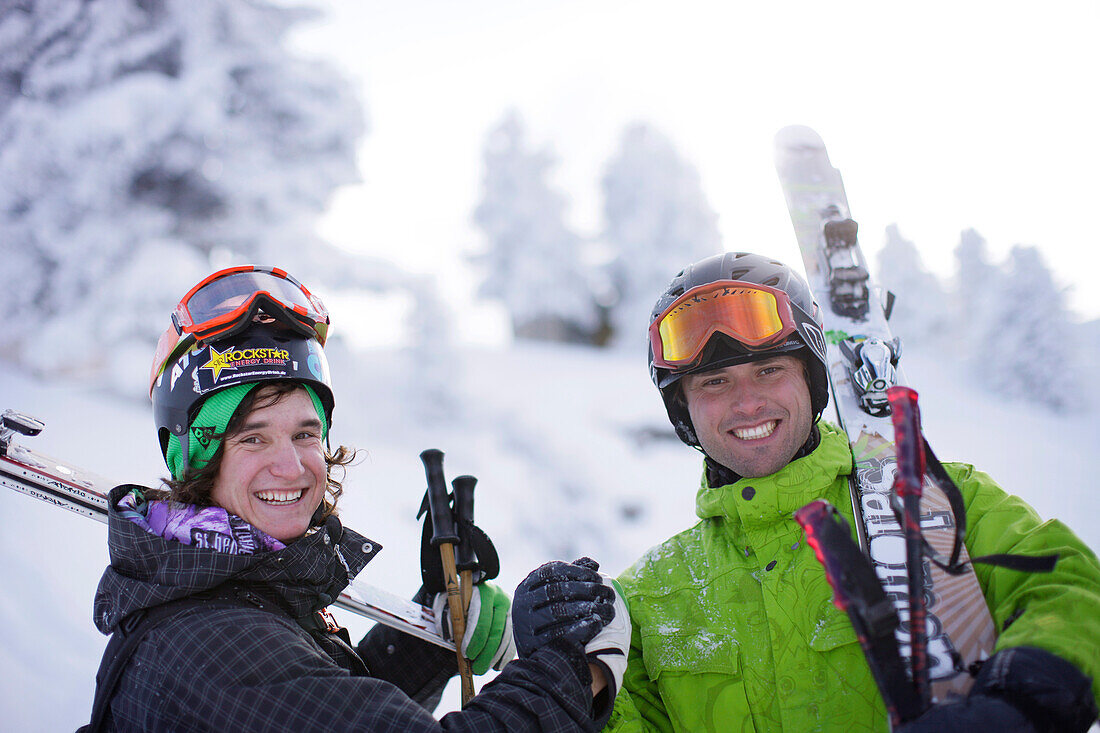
(756, 316)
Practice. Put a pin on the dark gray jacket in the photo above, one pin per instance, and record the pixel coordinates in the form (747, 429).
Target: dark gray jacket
(227, 666)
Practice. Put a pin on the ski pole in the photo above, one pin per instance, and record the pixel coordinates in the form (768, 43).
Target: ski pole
(908, 485)
(445, 538)
(858, 592)
(465, 558)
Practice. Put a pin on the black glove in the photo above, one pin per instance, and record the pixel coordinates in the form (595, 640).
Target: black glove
(561, 601)
(1019, 689)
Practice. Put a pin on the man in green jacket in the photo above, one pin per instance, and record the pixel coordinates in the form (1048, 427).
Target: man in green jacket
(734, 626)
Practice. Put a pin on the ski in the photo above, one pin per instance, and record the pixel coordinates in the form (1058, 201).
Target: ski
(70, 487)
(863, 357)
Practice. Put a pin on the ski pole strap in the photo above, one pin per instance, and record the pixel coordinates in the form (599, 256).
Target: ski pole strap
(486, 565)
(1023, 563)
(474, 551)
(857, 591)
(954, 497)
(952, 566)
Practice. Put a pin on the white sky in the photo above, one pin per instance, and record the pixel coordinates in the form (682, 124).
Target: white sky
(940, 115)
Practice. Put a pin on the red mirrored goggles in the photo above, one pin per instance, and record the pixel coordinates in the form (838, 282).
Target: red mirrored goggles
(230, 300)
(756, 316)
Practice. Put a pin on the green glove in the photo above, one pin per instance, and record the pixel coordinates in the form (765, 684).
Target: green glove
(488, 641)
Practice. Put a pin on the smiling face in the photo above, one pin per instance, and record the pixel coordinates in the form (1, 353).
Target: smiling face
(273, 473)
(751, 418)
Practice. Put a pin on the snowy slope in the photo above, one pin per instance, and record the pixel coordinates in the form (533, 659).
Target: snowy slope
(570, 445)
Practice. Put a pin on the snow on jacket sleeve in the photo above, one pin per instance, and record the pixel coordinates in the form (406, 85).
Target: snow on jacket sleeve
(1057, 611)
(244, 669)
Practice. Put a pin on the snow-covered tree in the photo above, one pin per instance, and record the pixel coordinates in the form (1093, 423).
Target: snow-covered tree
(1026, 341)
(533, 263)
(976, 282)
(920, 313)
(432, 368)
(142, 142)
(657, 221)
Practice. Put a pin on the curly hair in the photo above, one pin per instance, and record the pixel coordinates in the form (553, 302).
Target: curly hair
(196, 486)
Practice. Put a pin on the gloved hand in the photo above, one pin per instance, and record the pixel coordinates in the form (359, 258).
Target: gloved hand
(561, 601)
(1018, 689)
(609, 647)
(488, 641)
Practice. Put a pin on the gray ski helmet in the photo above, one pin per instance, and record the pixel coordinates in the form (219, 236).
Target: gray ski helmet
(263, 353)
(808, 342)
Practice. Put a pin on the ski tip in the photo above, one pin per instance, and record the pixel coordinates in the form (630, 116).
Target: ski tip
(798, 136)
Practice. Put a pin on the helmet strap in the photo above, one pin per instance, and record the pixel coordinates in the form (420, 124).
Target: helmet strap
(184, 448)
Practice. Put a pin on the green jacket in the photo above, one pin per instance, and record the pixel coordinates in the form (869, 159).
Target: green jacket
(735, 629)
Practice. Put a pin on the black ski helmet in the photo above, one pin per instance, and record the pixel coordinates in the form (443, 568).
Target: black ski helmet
(262, 353)
(808, 342)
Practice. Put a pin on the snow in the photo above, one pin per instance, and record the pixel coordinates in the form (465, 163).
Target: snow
(570, 445)
(798, 136)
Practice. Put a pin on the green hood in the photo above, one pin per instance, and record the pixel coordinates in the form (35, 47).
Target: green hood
(775, 498)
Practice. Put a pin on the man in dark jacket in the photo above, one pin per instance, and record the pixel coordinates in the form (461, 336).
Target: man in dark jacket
(236, 560)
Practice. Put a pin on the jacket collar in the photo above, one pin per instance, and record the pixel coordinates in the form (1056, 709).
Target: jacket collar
(761, 502)
(146, 569)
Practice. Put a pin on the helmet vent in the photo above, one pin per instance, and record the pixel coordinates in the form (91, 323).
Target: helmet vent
(677, 292)
(738, 274)
(771, 282)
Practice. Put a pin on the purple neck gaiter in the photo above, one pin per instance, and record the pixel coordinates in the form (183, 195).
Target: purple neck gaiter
(211, 527)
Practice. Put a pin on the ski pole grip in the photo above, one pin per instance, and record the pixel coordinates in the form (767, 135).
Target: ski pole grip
(443, 524)
(908, 441)
(465, 558)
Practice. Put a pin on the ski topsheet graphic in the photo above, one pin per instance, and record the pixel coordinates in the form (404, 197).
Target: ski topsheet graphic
(863, 359)
(61, 484)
